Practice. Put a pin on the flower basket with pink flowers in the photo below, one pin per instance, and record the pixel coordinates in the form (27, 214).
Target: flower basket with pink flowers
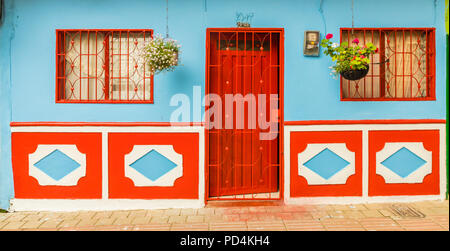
(352, 62)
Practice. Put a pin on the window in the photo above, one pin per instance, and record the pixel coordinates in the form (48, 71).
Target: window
(403, 68)
(102, 66)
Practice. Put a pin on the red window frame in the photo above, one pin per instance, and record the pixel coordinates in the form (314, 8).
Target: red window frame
(430, 60)
(107, 90)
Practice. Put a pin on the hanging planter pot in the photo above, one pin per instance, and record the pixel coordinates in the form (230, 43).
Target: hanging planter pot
(355, 74)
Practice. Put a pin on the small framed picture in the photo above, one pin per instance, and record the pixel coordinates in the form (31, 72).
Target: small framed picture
(311, 44)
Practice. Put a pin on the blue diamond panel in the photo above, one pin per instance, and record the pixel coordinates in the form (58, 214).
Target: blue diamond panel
(326, 164)
(153, 165)
(57, 165)
(403, 162)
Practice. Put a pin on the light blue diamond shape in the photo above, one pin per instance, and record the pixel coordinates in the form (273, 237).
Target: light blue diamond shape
(153, 165)
(57, 165)
(403, 162)
(326, 164)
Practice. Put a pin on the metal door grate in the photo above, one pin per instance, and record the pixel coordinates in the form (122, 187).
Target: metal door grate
(240, 165)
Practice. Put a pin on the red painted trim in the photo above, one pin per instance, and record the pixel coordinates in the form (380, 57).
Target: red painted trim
(62, 99)
(122, 187)
(299, 186)
(27, 187)
(430, 183)
(119, 124)
(366, 122)
(208, 30)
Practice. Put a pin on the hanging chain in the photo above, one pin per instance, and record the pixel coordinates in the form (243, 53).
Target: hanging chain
(353, 15)
(167, 18)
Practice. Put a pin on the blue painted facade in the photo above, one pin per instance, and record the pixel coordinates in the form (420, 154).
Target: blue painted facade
(27, 62)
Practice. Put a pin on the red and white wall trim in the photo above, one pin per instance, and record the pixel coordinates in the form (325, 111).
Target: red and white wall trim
(324, 162)
(102, 166)
(364, 161)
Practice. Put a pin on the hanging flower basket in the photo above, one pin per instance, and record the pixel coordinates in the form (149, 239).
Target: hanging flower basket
(161, 54)
(355, 74)
(352, 62)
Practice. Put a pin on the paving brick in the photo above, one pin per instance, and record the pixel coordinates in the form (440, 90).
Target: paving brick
(266, 226)
(152, 227)
(137, 214)
(205, 211)
(172, 212)
(105, 221)
(120, 214)
(84, 215)
(31, 224)
(69, 223)
(51, 224)
(195, 219)
(188, 211)
(214, 218)
(123, 221)
(372, 213)
(141, 220)
(177, 219)
(87, 222)
(99, 215)
(304, 225)
(14, 225)
(114, 228)
(159, 219)
(190, 227)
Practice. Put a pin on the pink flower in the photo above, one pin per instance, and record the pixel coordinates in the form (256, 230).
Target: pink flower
(363, 56)
(356, 41)
(329, 36)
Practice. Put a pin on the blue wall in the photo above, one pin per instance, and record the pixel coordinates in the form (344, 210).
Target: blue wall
(6, 34)
(310, 93)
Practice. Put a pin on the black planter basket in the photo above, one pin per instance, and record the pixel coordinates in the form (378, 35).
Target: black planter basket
(355, 74)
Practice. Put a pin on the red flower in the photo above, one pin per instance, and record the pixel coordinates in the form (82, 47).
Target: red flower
(355, 41)
(351, 67)
(329, 36)
(376, 51)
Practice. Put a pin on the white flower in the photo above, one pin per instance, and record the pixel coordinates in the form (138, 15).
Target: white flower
(334, 45)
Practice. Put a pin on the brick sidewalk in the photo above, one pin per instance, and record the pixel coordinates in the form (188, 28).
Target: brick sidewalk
(432, 216)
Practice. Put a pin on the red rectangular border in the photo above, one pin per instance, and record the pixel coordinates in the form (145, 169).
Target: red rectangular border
(57, 68)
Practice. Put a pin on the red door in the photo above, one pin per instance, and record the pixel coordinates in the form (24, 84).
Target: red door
(244, 64)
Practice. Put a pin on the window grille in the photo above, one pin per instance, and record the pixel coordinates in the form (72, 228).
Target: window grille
(95, 66)
(403, 68)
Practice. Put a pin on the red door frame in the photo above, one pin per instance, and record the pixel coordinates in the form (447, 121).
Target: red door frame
(281, 108)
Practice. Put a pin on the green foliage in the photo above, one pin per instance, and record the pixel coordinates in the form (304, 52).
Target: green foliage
(348, 57)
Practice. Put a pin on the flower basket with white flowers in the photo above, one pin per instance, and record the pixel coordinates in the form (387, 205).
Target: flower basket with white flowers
(161, 54)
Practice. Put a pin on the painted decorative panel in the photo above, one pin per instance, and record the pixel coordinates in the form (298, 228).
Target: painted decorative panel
(153, 165)
(404, 163)
(57, 165)
(326, 164)
(157, 165)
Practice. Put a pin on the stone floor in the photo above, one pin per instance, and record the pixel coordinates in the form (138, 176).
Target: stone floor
(429, 215)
